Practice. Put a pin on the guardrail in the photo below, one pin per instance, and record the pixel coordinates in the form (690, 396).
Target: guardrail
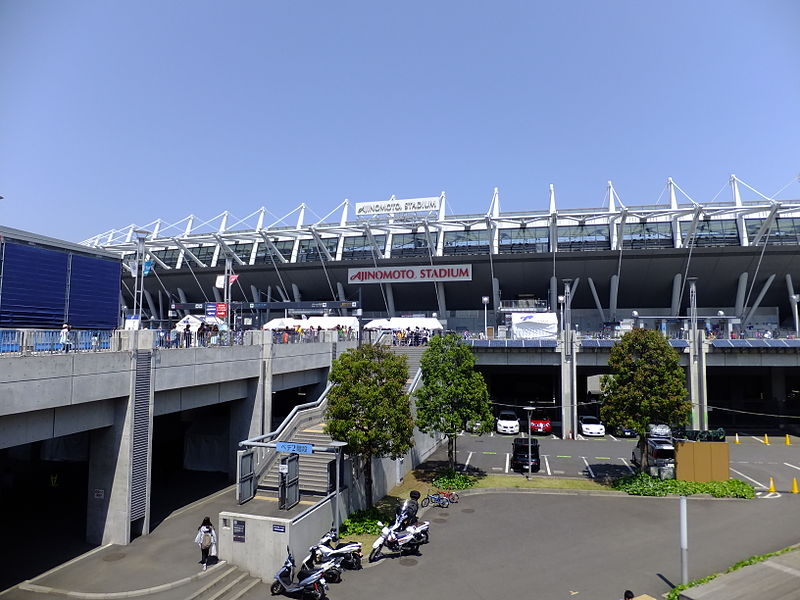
(49, 341)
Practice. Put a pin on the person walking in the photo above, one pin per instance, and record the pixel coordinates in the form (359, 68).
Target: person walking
(206, 538)
(64, 338)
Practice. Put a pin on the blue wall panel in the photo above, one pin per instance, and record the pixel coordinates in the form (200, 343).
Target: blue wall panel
(94, 293)
(33, 292)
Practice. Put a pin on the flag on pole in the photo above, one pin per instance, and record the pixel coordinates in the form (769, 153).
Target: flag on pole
(233, 278)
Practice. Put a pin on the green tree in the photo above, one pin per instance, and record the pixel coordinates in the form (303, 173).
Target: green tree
(453, 393)
(648, 384)
(367, 407)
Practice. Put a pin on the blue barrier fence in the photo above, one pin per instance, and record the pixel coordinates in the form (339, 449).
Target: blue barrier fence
(15, 341)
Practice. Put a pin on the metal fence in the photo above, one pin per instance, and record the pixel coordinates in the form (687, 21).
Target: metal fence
(44, 341)
(170, 338)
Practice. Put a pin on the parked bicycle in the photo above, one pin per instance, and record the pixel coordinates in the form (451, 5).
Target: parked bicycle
(436, 499)
(451, 496)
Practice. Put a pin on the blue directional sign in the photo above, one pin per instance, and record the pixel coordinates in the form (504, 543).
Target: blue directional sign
(294, 448)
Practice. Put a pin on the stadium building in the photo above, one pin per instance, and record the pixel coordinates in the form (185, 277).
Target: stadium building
(730, 262)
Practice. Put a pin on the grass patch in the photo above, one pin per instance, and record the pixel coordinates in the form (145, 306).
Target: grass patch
(643, 484)
(552, 483)
(675, 593)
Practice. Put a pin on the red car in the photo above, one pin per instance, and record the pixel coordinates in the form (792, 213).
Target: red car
(540, 423)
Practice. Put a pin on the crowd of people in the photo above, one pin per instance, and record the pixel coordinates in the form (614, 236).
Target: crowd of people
(298, 334)
(411, 337)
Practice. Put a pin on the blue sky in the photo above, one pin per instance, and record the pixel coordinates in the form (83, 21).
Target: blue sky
(123, 112)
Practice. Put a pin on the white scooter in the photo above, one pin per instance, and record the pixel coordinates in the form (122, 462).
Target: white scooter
(331, 567)
(350, 552)
(403, 541)
(311, 586)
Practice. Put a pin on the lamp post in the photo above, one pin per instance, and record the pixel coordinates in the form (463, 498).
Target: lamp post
(485, 300)
(138, 292)
(635, 315)
(795, 299)
(529, 410)
(338, 448)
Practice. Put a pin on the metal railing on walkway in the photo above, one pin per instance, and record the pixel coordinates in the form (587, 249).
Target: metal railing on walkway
(51, 341)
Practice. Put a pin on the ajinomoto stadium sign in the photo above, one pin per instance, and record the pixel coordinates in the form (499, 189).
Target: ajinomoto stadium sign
(410, 274)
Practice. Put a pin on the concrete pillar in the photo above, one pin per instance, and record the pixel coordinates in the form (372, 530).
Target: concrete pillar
(553, 294)
(440, 297)
(108, 504)
(778, 391)
(569, 394)
(697, 380)
(390, 301)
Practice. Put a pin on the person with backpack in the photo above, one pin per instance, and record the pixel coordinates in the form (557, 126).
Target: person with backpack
(206, 538)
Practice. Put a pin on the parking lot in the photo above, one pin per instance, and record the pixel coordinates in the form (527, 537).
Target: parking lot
(751, 460)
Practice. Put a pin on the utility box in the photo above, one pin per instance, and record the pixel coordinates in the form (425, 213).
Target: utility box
(702, 461)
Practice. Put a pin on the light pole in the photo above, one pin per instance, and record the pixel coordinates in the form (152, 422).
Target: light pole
(635, 315)
(795, 299)
(485, 300)
(569, 356)
(529, 410)
(138, 292)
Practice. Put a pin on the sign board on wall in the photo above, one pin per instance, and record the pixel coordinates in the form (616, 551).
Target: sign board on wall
(410, 274)
(364, 209)
(239, 530)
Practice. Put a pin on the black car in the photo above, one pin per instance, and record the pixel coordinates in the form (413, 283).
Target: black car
(626, 432)
(519, 455)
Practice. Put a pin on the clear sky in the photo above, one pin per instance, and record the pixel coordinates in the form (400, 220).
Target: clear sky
(122, 112)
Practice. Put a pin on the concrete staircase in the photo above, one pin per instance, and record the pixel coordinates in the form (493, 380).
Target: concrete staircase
(231, 584)
(413, 355)
(313, 467)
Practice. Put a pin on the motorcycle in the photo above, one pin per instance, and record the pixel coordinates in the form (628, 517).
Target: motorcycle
(331, 568)
(406, 540)
(350, 552)
(309, 586)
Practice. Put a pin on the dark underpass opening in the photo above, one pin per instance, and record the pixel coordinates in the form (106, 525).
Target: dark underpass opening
(191, 458)
(43, 496)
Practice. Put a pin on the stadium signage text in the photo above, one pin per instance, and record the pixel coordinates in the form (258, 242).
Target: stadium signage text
(410, 274)
(397, 206)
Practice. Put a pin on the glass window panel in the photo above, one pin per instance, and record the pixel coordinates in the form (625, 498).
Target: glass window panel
(714, 233)
(169, 256)
(784, 231)
(264, 251)
(242, 250)
(203, 253)
(466, 242)
(524, 239)
(574, 238)
(647, 235)
(309, 249)
(412, 244)
(356, 247)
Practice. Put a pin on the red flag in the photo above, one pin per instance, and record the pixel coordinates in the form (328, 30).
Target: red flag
(233, 278)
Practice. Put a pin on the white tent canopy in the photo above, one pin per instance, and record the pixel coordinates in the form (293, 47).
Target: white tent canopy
(534, 326)
(399, 323)
(323, 322)
(194, 322)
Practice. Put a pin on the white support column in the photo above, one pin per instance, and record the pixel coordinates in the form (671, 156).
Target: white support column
(741, 290)
(675, 307)
(751, 313)
(613, 294)
(597, 301)
(390, 300)
(737, 202)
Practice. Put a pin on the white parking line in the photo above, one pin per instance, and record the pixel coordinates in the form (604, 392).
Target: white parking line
(793, 466)
(580, 437)
(466, 463)
(588, 468)
(625, 462)
(507, 460)
(761, 485)
(554, 436)
(613, 438)
(547, 464)
(757, 439)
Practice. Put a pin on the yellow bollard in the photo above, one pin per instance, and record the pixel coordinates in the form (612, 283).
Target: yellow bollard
(737, 439)
(788, 441)
(794, 486)
(766, 440)
(771, 485)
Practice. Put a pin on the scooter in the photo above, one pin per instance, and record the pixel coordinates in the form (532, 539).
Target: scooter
(397, 541)
(311, 587)
(331, 568)
(350, 552)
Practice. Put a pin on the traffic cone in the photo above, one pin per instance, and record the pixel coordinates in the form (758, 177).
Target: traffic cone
(737, 439)
(788, 441)
(771, 485)
(766, 440)
(794, 486)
